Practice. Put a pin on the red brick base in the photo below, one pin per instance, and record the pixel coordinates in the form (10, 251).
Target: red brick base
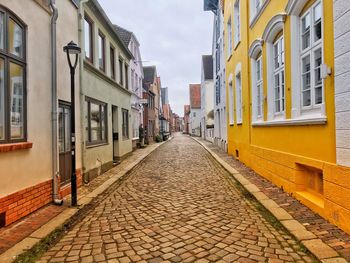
(24, 202)
(66, 189)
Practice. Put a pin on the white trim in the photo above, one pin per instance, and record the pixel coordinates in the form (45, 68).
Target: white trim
(238, 94)
(255, 17)
(237, 23)
(310, 120)
(231, 105)
(274, 26)
(294, 7)
(255, 48)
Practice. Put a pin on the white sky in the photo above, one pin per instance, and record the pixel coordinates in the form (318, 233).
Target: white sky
(173, 34)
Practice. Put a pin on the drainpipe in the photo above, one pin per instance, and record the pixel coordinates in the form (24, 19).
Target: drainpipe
(55, 170)
(81, 72)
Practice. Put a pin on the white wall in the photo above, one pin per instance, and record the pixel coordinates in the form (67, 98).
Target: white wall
(342, 79)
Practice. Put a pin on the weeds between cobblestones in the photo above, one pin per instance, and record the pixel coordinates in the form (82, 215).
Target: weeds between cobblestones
(262, 210)
(178, 205)
(33, 254)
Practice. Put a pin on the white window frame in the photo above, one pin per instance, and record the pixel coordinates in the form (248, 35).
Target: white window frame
(231, 101)
(259, 86)
(229, 38)
(237, 23)
(280, 72)
(256, 11)
(238, 91)
(310, 51)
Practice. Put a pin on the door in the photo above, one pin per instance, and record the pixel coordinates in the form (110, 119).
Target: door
(115, 132)
(64, 142)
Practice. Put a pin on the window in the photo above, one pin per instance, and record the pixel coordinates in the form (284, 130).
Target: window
(194, 115)
(125, 123)
(132, 80)
(217, 91)
(96, 120)
(259, 88)
(311, 56)
(278, 75)
(126, 76)
(88, 35)
(12, 79)
(121, 71)
(231, 104)
(238, 98)
(112, 61)
(237, 23)
(255, 7)
(101, 51)
(229, 38)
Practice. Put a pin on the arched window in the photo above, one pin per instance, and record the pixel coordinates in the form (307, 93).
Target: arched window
(306, 58)
(274, 39)
(231, 100)
(12, 78)
(255, 54)
(238, 89)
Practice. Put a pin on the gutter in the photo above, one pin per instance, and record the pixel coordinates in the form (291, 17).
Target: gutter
(55, 170)
(81, 73)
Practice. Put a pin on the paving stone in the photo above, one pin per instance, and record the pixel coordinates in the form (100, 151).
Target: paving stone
(178, 205)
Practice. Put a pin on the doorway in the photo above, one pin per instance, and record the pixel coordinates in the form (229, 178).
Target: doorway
(64, 142)
(115, 130)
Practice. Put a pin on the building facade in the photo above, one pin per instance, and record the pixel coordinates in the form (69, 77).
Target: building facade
(195, 110)
(281, 99)
(186, 119)
(136, 77)
(207, 103)
(35, 104)
(220, 116)
(105, 93)
(150, 87)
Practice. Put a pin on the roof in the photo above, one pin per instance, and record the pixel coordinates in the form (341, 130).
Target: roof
(149, 74)
(207, 64)
(123, 34)
(195, 95)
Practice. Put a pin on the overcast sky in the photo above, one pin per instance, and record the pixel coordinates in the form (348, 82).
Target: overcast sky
(173, 34)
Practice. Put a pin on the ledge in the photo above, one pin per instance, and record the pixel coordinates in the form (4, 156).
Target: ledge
(292, 122)
(15, 146)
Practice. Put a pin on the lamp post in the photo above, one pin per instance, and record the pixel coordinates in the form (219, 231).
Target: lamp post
(73, 50)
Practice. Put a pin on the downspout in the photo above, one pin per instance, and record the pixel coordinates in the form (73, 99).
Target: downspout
(81, 72)
(56, 199)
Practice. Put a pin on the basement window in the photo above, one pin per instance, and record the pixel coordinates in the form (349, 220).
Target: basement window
(309, 182)
(2, 219)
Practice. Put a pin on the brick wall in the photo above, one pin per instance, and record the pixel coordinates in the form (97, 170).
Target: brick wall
(24, 202)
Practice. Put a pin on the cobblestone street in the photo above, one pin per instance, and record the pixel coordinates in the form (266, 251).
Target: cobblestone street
(179, 205)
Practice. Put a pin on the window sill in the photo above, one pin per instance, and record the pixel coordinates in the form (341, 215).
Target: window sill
(240, 123)
(293, 122)
(10, 147)
(237, 45)
(89, 146)
(229, 57)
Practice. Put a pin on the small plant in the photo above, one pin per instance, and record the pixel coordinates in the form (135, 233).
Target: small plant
(158, 138)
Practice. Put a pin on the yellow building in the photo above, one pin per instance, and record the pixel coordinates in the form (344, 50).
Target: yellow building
(280, 97)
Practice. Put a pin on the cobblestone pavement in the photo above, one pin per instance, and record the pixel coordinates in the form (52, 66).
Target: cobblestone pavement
(177, 206)
(330, 234)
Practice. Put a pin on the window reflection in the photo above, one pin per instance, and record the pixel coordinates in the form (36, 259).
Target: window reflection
(2, 25)
(2, 101)
(15, 38)
(16, 99)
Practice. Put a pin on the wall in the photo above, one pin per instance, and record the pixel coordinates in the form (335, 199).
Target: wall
(342, 79)
(98, 85)
(298, 158)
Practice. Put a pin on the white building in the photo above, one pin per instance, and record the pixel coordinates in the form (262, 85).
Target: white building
(136, 77)
(207, 102)
(220, 126)
(195, 110)
(342, 80)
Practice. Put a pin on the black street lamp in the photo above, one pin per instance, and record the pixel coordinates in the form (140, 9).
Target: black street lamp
(73, 51)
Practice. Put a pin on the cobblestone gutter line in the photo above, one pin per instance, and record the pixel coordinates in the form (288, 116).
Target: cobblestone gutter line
(58, 222)
(316, 246)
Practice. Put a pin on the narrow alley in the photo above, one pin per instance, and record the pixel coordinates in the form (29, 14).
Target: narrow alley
(179, 205)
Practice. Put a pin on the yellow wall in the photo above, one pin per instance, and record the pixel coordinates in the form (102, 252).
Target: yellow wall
(289, 156)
